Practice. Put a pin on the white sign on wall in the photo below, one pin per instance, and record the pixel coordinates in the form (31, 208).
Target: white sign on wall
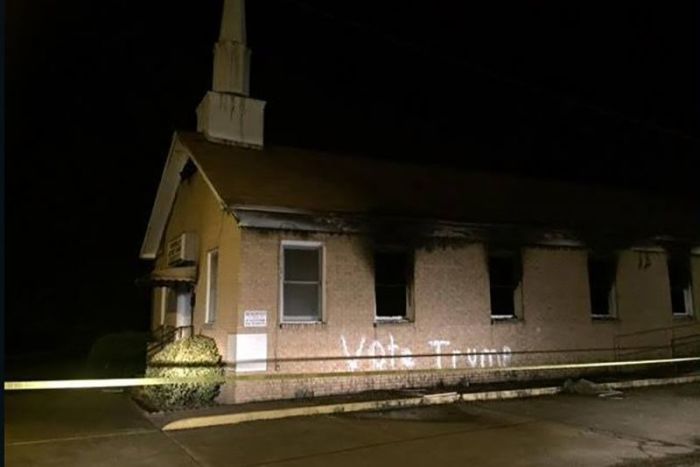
(251, 352)
(255, 318)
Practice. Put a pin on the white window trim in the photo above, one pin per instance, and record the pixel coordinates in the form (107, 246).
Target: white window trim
(390, 319)
(687, 301)
(687, 291)
(207, 306)
(395, 319)
(504, 317)
(689, 298)
(322, 266)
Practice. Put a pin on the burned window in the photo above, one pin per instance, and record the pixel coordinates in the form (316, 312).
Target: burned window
(392, 273)
(680, 281)
(505, 273)
(601, 282)
(301, 281)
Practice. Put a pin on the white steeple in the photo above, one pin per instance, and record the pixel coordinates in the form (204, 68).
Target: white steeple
(227, 114)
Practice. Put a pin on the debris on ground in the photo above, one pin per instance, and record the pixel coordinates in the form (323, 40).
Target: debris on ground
(581, 386)
(442, 397)
(612, 394)
(589, 388)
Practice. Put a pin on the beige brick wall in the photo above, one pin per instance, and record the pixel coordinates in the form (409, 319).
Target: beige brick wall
(303, 387)
(451, 309)
(644, 298)
(451, 313)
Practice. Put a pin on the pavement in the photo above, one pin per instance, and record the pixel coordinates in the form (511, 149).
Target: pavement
(647, 426)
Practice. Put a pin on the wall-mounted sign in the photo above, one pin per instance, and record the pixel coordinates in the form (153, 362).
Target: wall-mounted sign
(251, 352)
(255, 318)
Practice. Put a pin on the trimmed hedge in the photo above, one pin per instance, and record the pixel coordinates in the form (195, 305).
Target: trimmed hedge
(195, 356)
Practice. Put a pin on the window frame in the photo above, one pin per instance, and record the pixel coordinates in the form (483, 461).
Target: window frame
(304, 245)
(612, 293)
(410, 274)
(688, 298)
(208, 301)
(517, 255)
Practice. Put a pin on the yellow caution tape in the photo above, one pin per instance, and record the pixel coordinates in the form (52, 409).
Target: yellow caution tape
(132, 382)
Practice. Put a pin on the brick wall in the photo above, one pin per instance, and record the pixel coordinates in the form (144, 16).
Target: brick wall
(451, 313)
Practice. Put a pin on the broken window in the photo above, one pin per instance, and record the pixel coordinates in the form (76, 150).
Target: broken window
(601, 282)
(392, 273)
(212, 285)
(301, 281)
(680, 281)
(505, 273)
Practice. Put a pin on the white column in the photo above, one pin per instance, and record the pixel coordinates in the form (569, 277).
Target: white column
(184, 309)
(163, 304)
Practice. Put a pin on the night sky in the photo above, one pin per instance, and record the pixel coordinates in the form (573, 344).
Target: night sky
(602, 93)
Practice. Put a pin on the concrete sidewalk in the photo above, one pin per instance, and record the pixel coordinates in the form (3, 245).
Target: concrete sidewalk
(373, 401)
(83, 428)
(650, 426)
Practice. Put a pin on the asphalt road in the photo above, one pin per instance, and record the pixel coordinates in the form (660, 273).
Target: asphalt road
(659, 426)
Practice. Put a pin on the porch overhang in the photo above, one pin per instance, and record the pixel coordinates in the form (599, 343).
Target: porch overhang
(173, 276)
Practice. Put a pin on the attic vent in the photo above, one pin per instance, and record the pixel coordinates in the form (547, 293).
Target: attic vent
(188, 170)
(182, 250)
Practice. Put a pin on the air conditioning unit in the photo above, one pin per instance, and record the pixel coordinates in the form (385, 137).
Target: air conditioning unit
(182, 249)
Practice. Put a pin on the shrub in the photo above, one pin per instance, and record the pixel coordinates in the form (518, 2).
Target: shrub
(118, 355)
(195, 356)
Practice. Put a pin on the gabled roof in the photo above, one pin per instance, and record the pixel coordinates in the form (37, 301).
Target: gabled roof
(281, 179)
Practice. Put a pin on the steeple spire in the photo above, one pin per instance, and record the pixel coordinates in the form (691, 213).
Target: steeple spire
(233, 22)
(231, 56)
(227, 114)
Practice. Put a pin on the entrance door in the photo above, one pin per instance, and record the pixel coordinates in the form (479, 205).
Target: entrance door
(183, 316)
